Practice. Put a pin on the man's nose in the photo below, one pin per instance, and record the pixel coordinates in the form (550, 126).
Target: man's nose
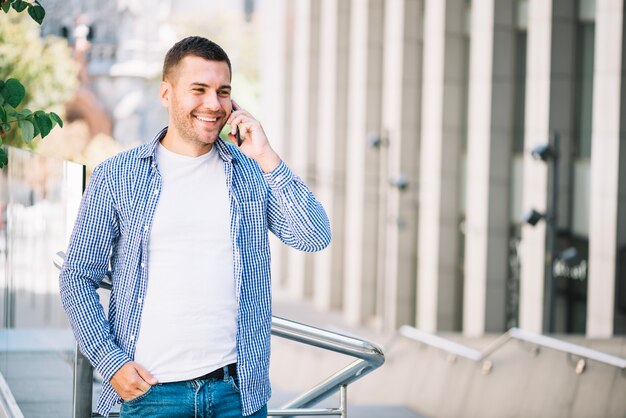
(211, 101)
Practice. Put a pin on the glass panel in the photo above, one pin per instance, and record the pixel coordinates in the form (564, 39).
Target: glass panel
(513, 278)
(465, 93)
(517, 181)
(570, 272)
(521, 14)
(580, 212)
(463, 185)
(39, 197)
(464, 125)
(585, 89)
(582, 151)
(520, 92)
(587, 10)
(467, 18)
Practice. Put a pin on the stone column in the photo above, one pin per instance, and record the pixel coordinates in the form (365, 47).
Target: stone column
(364, 116)
(331, 147)
(489, 156)
(607, 229)
(441, 136)
(399, 159)
(303, 125)
(274, 64)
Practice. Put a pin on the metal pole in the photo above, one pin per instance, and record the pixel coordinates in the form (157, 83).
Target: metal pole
(343, 401)
(83, 386)
(552, 233)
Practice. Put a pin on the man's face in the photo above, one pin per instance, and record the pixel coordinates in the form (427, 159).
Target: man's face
(197, 96)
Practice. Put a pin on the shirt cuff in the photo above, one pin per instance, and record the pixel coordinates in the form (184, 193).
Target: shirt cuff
(279, 177)
(111, 364)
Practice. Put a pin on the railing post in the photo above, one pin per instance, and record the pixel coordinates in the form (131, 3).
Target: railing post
(83, 386)
(343, 400)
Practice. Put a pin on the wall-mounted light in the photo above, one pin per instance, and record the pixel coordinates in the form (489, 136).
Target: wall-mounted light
(401, 183)
(532, 217)
(377, 139)
(542, 152)
(374, 140)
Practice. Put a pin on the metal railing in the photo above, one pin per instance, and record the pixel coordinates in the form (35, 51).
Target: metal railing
(369, 357)
(482, 357)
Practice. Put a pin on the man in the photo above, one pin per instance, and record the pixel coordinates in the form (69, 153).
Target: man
(182, 223)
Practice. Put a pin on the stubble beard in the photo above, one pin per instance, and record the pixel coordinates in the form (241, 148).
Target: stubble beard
(185, 125)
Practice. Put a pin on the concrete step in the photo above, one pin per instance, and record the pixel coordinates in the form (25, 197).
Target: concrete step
(279, 398)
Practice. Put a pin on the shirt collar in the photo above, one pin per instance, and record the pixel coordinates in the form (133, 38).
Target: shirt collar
(149, 150)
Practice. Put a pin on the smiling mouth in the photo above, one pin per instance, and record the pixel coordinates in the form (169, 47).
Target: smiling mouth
(205, 119)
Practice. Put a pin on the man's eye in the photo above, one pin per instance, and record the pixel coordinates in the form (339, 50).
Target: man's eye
(199, 90)
(224, 93)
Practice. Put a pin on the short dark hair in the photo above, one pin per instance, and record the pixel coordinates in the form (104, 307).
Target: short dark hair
(196, 46)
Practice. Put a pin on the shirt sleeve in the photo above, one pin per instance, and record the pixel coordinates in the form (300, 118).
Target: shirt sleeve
(294, 214)
(86, 265)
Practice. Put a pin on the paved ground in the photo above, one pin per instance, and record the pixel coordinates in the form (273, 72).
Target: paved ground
(37, 366)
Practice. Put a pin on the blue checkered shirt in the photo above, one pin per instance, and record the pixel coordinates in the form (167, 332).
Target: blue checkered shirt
(112, 230)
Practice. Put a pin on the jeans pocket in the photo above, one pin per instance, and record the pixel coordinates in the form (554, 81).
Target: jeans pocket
(140, 397)
(234, 383)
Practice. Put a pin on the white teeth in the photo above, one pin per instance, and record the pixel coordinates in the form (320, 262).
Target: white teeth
(206, 119)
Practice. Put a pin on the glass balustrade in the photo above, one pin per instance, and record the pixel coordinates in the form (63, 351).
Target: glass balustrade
(39, 198)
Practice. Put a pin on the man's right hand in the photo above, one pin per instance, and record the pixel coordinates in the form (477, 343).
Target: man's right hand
(132, 380)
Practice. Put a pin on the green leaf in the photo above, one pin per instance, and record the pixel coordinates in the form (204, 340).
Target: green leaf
(35, 129)
(25, 112)
(36, 12)
(1, 84)
(5, 127)
(4, 159)
(19, 5)
(3, 115)
(13, 92)
(31, 119)
(43, 122)
(6, 6)
(56, 118)
(28, 130)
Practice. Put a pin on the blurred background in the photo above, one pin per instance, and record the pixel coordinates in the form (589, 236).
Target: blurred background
(470, 155)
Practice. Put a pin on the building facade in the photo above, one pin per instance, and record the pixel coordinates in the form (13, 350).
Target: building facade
(471, 156)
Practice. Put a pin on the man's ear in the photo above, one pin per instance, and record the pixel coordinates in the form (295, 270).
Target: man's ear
(165, 89)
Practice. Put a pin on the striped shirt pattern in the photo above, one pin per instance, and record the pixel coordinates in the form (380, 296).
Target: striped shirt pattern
(112, 231)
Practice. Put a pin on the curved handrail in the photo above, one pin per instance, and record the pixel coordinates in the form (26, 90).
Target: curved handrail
(369, 356)
(477, 356)
(328, 340)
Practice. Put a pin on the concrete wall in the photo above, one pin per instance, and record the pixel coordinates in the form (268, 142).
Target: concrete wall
(377, 94)
(522, 383)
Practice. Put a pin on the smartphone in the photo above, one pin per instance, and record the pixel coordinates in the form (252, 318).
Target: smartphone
(237, 134)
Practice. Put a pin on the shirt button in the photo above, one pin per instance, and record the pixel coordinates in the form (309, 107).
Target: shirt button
(132, 338)
(145, 228)
(156, 192)
(140, 300)
(143, 265)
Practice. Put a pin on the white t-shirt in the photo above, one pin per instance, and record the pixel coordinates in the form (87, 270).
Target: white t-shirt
(189, 318)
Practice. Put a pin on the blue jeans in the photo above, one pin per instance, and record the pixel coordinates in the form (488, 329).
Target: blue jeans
(198, 398)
